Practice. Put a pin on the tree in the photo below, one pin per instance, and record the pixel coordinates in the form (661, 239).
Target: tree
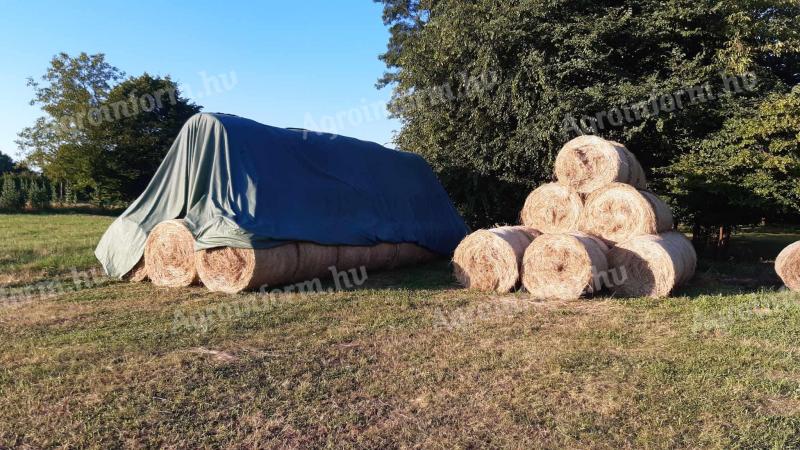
(6, 163)
(485, 90)
(38, 195)
(11, 196)
(746, 172)
(132, 146)
(68, 92)
(101, 132)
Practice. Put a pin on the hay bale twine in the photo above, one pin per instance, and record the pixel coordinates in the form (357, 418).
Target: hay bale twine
(619, 211)
(787, 264)
(564, 266)
(314, 260)
(489, 260)
(552, 208)
(232, 270)
(138, 273)
(652, 265)
(588, 163)
(169, 255)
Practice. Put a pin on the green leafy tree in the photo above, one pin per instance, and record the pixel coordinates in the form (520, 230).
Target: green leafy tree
(149, 112)
(11, 197)
(746, 172)
(485, 89)
(38, 195)
(6, 163)
(102, 132)
(60, 143)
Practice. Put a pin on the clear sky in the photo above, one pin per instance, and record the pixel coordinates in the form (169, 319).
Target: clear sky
(310, 64)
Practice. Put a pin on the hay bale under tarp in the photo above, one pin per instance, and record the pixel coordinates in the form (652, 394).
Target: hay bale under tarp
(382, 256)
(409, 254)
(489, 260)
(588, 163)
(552, 208)
(619, 211)
(652, 265)
(787, 265)
(169, 255)
(138, 273)
(232, 270)
(564, 266)
(314, 261)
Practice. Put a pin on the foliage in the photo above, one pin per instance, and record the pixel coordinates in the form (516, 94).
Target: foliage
(11, 197)
(6, 163)
(38, 195)
(484, 88)
(133, 146)
(103, 133)
(744, 173)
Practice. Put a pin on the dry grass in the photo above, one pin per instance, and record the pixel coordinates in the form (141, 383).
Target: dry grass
(408, 360)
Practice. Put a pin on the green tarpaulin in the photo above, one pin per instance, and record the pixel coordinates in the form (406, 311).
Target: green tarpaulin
(243, 184)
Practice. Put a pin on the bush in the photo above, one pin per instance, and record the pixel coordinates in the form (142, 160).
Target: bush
(11, 196)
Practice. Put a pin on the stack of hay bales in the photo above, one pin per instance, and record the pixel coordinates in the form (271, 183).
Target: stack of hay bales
(171, 261)
(596, 227)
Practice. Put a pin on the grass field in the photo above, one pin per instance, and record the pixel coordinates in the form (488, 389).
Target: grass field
(407, 360)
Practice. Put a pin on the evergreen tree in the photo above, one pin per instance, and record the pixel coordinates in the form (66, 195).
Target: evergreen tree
(11, 196)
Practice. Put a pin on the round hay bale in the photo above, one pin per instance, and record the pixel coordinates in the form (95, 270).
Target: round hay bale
(564, 266)
(588, 163)
(169, 255)
(352, 256)
(314, 260)
(382, 256)
(412, 254)
(619, 211)
(652, 265)
(787, 264)
(232, 270)
(552, 208)
(138, 273)
(489, 260)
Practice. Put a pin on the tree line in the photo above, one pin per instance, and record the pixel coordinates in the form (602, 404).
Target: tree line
(563, 67)
(101, 138)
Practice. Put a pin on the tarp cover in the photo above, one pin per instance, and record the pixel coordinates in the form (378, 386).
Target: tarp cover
(239, 183)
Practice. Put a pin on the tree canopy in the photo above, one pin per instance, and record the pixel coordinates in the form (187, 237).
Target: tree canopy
(103, 132)
(485, 89)
(6, 163)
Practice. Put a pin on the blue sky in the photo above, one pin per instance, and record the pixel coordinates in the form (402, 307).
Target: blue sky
(311, 64)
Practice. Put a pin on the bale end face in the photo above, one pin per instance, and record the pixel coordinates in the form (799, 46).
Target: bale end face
(564, 266)
(489, 260)
(588, 163)
(169, 255)
(552, 208)
(618, 212)
(787, 265)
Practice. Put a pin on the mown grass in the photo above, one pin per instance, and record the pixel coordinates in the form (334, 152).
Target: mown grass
(407, 360)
